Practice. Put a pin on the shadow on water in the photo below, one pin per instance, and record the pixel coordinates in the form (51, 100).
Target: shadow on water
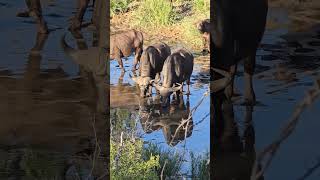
(50, 108)
(287, 66)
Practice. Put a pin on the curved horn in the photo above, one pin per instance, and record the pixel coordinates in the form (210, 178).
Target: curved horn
(134, 78)
(220, 84)
(177, 88)
(66, 48)
(222, 72)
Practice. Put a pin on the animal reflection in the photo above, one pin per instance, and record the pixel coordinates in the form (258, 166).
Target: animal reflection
(173, 120)
(234, 154)
(51, 111)
(35, 11)
(117, 92)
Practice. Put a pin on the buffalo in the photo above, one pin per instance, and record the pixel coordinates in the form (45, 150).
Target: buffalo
(237, 29)
(123, 43)
(176, 70)
(204, 28)
(151, 64)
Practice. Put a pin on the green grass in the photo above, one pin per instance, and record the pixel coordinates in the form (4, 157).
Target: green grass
(154, 13)
(119, 6)
(171, 160)
(199, 166)
(201, 5)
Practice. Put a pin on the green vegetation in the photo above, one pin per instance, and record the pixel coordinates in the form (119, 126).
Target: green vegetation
(154, 13)
(199, 166)
(169, 160)
(127, 161)
(119, 6)
(162, 20)
(132, 158)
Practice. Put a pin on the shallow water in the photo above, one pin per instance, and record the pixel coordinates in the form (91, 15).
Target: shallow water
(287, 66)
(125, 96)
(47, 102)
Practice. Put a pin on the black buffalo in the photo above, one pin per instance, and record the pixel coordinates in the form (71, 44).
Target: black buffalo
(237, 29)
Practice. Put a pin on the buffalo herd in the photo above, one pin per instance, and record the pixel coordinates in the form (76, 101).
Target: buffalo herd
(158, 66)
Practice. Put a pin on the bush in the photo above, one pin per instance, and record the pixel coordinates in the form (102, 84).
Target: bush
(127, 161)
(172, 160)
(119, 6)
(154, 13)
(201, 5)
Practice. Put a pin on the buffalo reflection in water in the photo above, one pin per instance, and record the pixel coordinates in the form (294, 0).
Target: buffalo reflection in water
(233, 154)
(174, 120)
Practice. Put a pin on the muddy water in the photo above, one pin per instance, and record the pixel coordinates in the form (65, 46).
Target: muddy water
(48, 103)
(157, 124)
(287, 66)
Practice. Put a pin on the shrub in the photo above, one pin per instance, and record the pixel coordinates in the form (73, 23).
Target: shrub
(127, 161)
(172, 161)
(119, 6)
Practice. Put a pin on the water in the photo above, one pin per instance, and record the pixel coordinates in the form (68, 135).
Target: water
(48, 104)
(285, 71)
(125, 96)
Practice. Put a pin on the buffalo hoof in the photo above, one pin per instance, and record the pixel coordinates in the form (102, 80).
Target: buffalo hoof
(23, 14)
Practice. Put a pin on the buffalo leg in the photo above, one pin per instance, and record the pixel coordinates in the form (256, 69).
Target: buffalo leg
(118, 58)
(229, 88)
(137, 57)
(249, 66)
(188, 90)
(78, 18)
(35, 10)
(157, 79)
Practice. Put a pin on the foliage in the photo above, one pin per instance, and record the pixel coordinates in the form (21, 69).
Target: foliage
(154, 13)
(40, 165)
(119, 6)
(201, 5)
(172, 161)
(127, 161)
(199, 166)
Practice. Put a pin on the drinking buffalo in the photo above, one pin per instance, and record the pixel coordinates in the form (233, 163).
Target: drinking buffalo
(122, 44)
(204, 28)
(177, 68)
(237, 30)
(151, 64)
